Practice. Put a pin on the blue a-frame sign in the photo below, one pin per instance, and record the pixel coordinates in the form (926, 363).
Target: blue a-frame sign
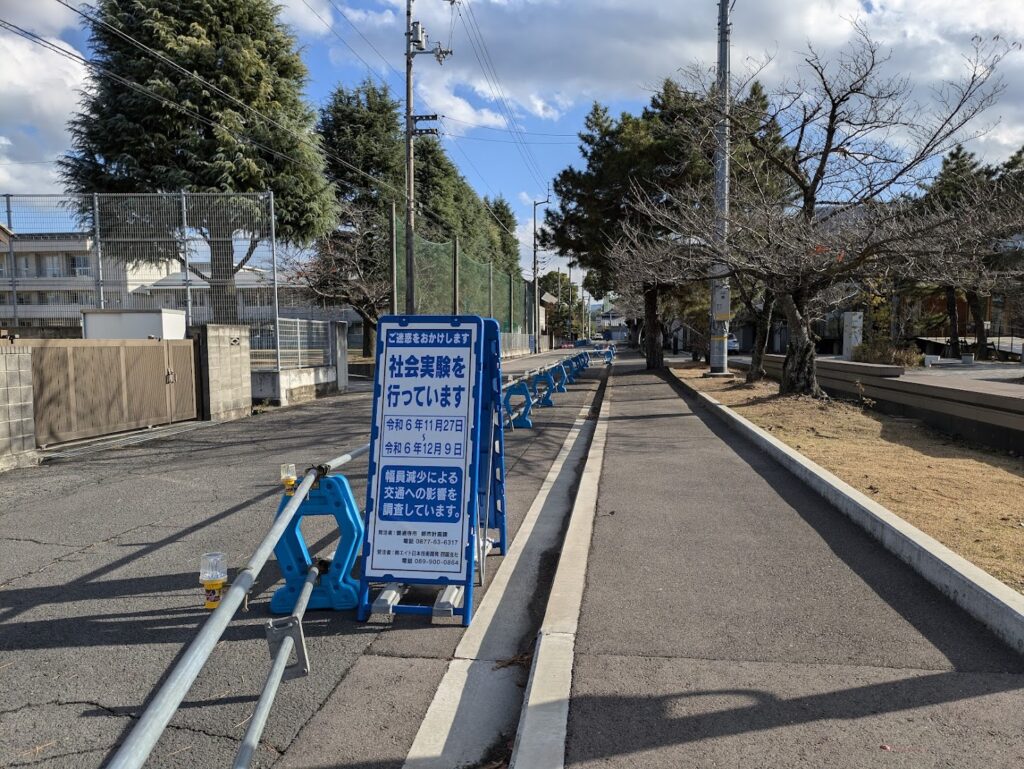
(433, 440)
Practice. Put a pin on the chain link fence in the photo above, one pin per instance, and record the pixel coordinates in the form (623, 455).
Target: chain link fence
(211, 256)
(483, 289)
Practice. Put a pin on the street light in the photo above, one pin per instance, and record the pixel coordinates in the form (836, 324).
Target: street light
(536, 275)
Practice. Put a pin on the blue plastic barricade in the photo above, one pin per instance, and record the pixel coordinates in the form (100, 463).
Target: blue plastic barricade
(545, 377)
(336, 588)
(519, 389)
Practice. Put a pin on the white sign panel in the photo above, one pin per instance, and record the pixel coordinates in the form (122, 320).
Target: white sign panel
(420, 491)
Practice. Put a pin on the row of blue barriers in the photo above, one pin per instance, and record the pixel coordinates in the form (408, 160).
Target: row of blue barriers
(331, 495)
(536, 388)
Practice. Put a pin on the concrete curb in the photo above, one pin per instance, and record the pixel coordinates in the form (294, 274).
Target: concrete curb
(475, 701)
(544, 719)
(977, 592)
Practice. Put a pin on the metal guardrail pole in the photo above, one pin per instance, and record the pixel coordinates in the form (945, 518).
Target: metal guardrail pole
(258, 721)
(136, 748)
(334, 464)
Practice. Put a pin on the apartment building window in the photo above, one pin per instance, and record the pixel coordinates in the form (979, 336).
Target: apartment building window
(23, 267)
(81, 266)
(52, 266)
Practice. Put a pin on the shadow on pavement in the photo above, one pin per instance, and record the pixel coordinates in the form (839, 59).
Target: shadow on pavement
(643, 723)
(966, 643)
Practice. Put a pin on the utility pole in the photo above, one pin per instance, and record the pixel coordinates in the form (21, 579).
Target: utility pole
(415, 44)
(720, 297)
(583, 309)
(571, 310)
(536, 272)
(559, 291)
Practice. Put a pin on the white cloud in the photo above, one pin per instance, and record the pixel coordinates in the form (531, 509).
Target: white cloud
(308, 17)
(44, 18)
(553, 55)
(34, 111)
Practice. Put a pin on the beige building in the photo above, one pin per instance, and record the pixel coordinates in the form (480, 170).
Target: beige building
(54, 276)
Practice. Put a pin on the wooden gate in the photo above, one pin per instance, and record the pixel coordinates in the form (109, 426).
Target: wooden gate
(82, 388)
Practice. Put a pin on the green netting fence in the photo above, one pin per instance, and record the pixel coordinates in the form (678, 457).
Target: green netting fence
(483, 289)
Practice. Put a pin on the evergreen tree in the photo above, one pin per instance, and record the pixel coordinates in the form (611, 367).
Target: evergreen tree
(124, 141)
(958, 181)
(361, 126)
(353, 262)
(507, 255)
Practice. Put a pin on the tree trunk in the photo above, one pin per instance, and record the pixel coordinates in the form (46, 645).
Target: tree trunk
(634, 332)
(762, 328)
(974, 301)
(653, 351)
(798, 370)
(223, 299)
(369, 337)
(954, 322)
(896, 318)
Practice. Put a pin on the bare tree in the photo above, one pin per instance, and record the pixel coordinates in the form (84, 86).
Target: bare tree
(352, 265)
(856, 142)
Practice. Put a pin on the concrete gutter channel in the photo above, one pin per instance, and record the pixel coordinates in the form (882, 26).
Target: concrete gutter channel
(541, 737)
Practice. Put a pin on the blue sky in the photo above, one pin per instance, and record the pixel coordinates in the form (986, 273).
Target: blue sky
(553, 58)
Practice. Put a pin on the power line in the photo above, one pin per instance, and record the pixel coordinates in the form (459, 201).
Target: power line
(486, 63)
(383, 58)
(161, 57)
(514, 141)
(338, 35)
(506, 130)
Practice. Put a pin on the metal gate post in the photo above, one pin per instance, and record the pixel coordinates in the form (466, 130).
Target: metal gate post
(394, 263)
(490, 289)
(455, 276)
(97, 246)
(277, 310)
(188, 274)
(10, 260)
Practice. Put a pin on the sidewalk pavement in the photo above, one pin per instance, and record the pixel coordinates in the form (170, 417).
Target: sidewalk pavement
(732, 618)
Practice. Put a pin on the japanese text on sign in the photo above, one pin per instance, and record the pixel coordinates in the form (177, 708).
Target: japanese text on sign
(420, 489)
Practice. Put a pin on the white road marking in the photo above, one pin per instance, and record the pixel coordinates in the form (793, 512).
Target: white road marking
(475, 703)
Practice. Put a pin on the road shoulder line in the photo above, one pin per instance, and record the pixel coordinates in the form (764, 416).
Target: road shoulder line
(471, 687)
(544, 718)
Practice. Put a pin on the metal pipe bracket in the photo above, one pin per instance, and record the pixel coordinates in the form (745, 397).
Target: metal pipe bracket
(289, 627)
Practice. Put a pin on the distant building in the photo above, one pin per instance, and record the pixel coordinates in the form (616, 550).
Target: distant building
(611, 324)
(57, 275)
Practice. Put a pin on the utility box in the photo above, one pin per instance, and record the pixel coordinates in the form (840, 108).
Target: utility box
(853, 332)
(133, 324)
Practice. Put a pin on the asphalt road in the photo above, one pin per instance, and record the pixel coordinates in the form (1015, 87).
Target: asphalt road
(99, 592)
(732, 618)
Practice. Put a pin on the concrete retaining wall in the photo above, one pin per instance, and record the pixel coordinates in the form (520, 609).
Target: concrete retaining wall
(987, 418)
(292, 386)
(17, 425)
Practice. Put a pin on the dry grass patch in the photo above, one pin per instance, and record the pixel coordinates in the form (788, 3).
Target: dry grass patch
(968, 497)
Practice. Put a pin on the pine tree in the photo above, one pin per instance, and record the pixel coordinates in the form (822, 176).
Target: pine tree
(124, 141)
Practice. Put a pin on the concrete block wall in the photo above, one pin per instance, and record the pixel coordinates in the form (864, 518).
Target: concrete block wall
(225, 372)
(17, 426)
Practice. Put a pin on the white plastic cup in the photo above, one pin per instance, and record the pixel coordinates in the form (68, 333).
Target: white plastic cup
(213, 567)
